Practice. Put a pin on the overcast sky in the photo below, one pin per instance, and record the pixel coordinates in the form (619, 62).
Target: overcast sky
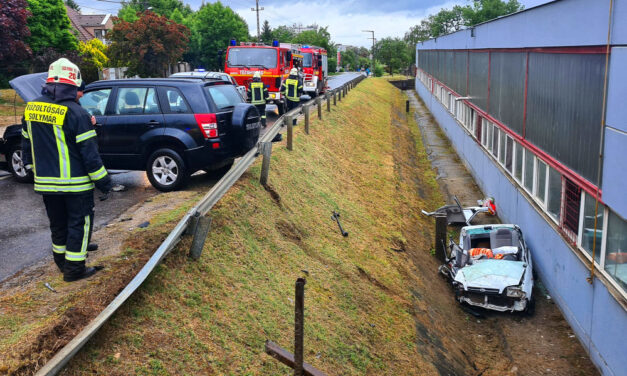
(346, 19)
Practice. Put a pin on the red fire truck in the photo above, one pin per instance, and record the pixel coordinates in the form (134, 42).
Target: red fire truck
(315, 69)
(275, 62)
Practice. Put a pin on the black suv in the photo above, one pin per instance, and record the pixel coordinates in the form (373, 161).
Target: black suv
(170, 128)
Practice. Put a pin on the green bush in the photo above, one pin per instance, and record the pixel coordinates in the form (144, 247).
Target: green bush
(378, 70)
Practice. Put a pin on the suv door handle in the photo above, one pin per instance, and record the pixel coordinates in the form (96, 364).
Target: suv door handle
(153, 123)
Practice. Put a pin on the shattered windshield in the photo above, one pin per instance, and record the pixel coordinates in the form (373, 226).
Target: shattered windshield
(252, 57)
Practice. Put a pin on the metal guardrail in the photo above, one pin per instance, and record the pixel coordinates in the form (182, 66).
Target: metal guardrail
(60, 359)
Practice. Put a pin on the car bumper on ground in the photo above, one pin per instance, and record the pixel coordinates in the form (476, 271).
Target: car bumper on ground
(496, 302)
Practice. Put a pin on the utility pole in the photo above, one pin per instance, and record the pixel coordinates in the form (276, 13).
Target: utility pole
(257, 9)
(373, 40)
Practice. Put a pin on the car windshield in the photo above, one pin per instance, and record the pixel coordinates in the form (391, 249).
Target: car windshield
(307, 60)
(224, 96)
(252, 57)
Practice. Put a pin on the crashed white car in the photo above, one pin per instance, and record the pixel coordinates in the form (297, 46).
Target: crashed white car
(491, 268)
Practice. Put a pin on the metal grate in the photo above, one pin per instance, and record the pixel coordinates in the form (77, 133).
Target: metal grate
(570, 209)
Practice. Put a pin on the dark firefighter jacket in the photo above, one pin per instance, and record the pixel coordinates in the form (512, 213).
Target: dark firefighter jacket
(258, 93)
(60, 143)
(292, 88)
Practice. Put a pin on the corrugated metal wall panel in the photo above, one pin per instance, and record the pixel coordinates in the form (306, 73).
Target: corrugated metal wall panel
(507, 88)
(564, 100)
(458, 79)
(448, 67)
(478, 80)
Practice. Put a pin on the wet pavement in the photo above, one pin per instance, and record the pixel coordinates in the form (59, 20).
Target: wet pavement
(24, 232)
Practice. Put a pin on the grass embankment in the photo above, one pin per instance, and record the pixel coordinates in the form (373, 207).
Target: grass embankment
(11, 107)
(365, 313)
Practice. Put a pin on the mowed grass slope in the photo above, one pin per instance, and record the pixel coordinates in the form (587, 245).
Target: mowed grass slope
(214, 315)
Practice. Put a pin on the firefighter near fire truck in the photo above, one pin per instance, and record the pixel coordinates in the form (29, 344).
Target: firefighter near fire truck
(292, 89)
(60, 146)
(258, 95)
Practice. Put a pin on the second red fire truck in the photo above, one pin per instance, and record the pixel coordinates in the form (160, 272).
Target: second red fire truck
(315, 69)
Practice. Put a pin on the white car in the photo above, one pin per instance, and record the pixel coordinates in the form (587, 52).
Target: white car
(201, 74)
(491, 268)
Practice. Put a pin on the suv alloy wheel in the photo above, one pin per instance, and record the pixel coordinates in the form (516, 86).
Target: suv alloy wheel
(166, 170)
(16, 165)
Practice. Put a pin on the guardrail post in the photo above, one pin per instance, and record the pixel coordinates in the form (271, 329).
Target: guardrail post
(266, 151)
(306, 113)
(334, 97)
(290, 131)
(193, 222)
(328, 101)
(440, 236)
(200, 235)
(299, 321)
(319, 107)
(339, 93)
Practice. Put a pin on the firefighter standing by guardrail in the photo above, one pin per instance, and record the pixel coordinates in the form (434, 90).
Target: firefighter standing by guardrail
(292, 88)
(60, 145)
(258, 95)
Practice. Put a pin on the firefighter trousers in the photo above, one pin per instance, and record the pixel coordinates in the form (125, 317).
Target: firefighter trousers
(291, 105)
(71, 221)
(262, 112)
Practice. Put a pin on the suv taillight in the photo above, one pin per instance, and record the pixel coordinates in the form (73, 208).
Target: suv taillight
(208, 124)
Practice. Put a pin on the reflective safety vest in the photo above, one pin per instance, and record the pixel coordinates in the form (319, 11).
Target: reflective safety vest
(257, 93)
(291, 89)
(62, 147)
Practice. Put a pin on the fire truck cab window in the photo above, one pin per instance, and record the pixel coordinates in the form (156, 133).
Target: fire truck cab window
(307, 60)
(252, 57)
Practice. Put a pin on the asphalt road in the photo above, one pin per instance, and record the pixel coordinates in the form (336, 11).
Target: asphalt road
(24, 232)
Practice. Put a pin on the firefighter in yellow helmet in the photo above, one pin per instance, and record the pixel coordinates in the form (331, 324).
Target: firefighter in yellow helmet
(60, 145)
(292, 88)
(258, 95)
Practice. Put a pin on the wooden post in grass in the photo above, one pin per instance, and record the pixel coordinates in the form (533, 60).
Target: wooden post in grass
(290, 131)
(266, 151)
(440, 236)
(328, 102)
(299, 325)
(306, 113)
(339, 93)
(200, 235)
(334, 93)
(319, 103)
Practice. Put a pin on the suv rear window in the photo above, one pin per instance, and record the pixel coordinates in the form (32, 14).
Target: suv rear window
(224, 96)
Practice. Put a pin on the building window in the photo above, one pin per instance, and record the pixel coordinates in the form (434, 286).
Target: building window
(484, 132)
(554, 199)
(588, 231)
(495, 141)
(540, 191)
(571, 208)
(502, 147)
(509, 150)
(529, 163)
(518, 165)
(616, 249)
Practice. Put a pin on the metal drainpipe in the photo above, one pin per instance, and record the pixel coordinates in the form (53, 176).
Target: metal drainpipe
(590, 279)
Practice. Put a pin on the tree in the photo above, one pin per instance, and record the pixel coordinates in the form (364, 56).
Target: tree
(72, 4)
(161, 7)
(485, 10)
(94, 58)
(213, 26)
(266, 33)
(50, 26)
(393, 52)
(319, 37)
(283, 34)
(349, 59)
(147, 45)
(450, 20)
(13, 22)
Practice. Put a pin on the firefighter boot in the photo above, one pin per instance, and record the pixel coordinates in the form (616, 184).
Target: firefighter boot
(75, 270)
(59, 259)
(92, 247)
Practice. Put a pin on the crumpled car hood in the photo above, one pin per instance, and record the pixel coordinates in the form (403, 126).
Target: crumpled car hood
(494, 274)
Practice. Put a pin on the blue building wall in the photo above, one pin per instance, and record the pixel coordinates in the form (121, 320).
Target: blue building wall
(615, 159)
(598, 320)
(544, 26)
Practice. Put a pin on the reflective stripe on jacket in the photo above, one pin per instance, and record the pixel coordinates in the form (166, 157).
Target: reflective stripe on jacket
(258, 93)
(292, 88)
(61, 144)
